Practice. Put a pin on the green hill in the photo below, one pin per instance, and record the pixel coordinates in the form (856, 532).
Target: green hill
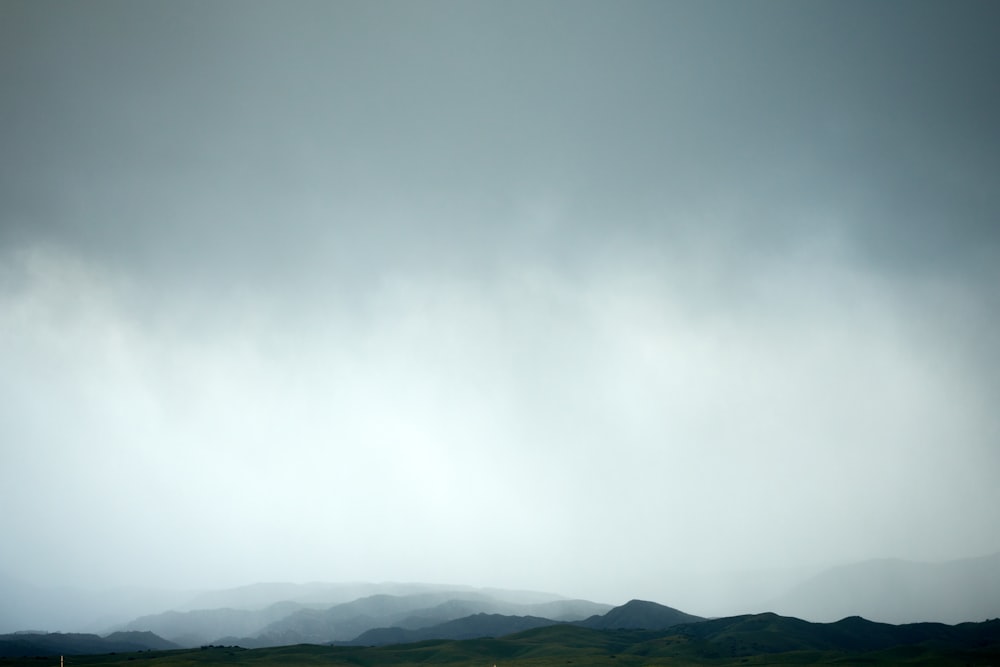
(742, 640)
(636, 614)
(639, 614)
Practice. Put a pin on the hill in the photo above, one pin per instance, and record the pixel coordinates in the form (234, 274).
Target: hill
(148, 641)
(639, 614)
(56, 643)
(636, 614)
(770, 633)
(294, 622)
(743, 640)
(346, 621)
(314, 594)
(203, 626)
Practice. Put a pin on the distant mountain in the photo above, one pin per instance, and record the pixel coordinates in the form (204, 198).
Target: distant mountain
(637, 615)
(147, 640)
(346, 621)
(481, 637)
(314, 594)
(640, 615)
(203, 626)
(56, 643)
(294, 622)
(898, 591)
(409, 612)
(559, 610)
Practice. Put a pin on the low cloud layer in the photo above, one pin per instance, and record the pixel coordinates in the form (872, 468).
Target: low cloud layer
(569, 297)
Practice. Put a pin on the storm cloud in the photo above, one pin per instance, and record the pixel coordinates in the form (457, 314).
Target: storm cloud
(565, 296)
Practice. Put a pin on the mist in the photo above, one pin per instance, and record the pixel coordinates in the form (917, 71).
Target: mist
(598, 300)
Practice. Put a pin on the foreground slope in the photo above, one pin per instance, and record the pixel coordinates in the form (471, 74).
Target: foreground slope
(744, 640)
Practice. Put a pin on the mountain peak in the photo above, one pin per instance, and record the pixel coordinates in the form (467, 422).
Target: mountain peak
(640, 615)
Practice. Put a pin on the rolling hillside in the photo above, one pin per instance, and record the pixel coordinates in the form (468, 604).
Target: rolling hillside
(743, 640)
(639, 614)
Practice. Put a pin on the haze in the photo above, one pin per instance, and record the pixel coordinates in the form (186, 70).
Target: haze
(568, 296)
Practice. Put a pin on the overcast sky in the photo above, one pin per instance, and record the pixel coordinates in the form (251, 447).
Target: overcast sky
(555, 295)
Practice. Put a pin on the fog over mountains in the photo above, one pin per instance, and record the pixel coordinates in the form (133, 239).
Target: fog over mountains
(575, 296)
(898, 591)
(272, 614)
(671, 310)
(291, 622)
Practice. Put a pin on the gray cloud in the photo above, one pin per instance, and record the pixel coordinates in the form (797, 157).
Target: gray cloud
(542, 288)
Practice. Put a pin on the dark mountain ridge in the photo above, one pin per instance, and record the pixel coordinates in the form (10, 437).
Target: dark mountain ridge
(771, 633)
(23, 644)
(202, 626)
(292, 622)
(723, 641)
(636, 614)
(346, 622)
(887, 590)
(640, 615)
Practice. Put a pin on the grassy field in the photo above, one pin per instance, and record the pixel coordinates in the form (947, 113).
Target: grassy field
(747, 641)
(559, 646)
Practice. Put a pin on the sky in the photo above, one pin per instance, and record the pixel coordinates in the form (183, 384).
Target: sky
(567, 296)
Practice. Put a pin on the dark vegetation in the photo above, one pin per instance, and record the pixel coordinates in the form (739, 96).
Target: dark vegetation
(470, 627)
(59, 643)
(761, 639)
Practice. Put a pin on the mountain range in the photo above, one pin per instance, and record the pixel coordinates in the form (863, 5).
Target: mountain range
(272, 614)
(345, 622)
(634, 615)
(365, 612)
(739, 640)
